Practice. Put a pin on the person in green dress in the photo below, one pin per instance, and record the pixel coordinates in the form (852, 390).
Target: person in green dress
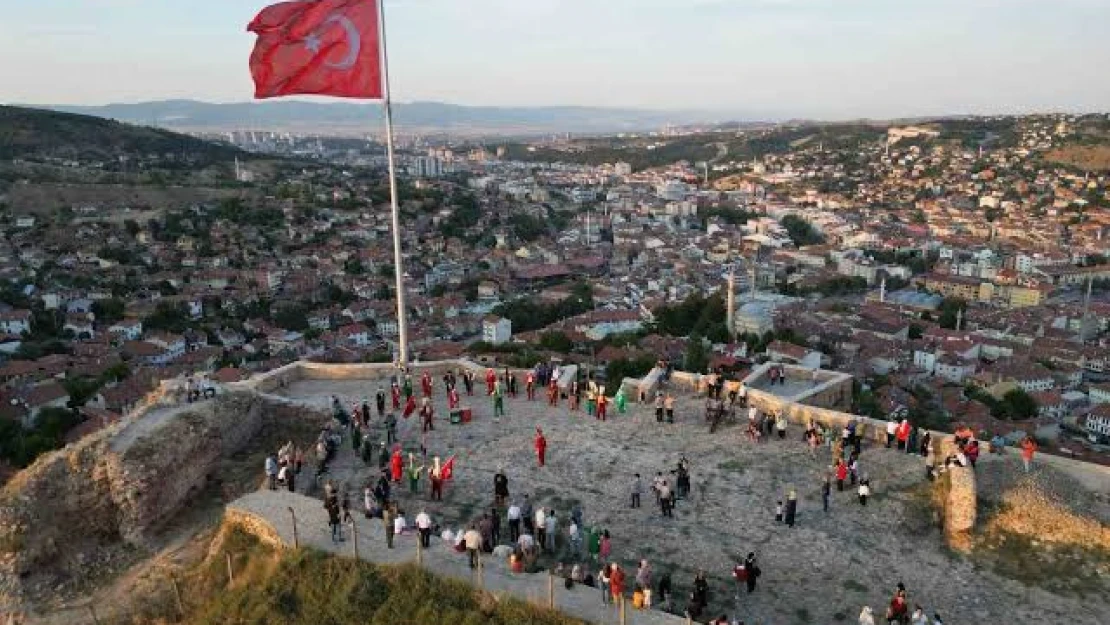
(414, 474)
(594, 545)
(407, 388)
(498, 400)
(622, 400)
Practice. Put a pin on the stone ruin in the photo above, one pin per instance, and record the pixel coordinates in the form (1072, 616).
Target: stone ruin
(67, 515)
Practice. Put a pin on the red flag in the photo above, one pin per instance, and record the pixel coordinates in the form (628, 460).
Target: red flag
(324, 47)
(447, 469)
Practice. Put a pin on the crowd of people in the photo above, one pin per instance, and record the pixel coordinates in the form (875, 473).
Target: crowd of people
(522, 534)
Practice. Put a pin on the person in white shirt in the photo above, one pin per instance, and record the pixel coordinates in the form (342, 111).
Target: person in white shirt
(549, 530)
(399, 524)
(424, 525)
(891, 430)
(575, 537)
(864, 491)
(526, 542)
(541, 526)
(514, 522)
(473, 544)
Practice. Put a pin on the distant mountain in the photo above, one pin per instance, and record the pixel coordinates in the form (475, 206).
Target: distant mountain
(29, 132)
(351, 118)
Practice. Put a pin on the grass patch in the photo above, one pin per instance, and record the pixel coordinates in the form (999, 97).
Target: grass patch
(308, 587)
(1063, 569)
(732, 466)
(852, 585)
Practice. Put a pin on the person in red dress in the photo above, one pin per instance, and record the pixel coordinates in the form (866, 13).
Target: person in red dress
(395, 392)
(396, 465)
(541, 446)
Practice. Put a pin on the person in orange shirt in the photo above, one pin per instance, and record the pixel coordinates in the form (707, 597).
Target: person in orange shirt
(903, 434)
(1028, 448)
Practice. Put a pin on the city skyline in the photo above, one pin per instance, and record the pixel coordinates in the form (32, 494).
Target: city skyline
(744, 58)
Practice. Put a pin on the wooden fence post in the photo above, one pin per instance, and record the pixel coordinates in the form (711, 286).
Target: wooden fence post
(624, 615)
(230, 573)
(420, 550)
(354, 536)
(296, 541)
(550, 590)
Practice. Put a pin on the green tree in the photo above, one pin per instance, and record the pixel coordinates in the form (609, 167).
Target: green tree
(108, 310)
(81, 390)
(526, 227)
(292, 318)
(1018, 405)
(169, 316)
(915, 331)
(617, 370)
(801, 232)
(354, 267)
(949, 310)
(556, 342)
(696, 358)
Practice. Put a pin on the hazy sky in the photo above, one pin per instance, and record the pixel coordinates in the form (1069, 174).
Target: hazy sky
(817, 58)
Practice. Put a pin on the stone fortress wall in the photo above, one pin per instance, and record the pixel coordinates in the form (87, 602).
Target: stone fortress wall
(64, 516)
(125, 481)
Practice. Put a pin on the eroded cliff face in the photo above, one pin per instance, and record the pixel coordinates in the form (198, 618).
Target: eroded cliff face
(77, 510)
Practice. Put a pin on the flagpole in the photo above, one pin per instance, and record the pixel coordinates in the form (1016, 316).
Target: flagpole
(398, 269)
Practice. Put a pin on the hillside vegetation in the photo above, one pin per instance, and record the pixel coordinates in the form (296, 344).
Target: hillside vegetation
(36, 133)
(310, 587)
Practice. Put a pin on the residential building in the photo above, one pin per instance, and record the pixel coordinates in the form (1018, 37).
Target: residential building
(15, 322)
(496, 330)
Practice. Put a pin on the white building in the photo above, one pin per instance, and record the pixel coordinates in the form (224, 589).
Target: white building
(427, 167)
(15, 322)
(1099, 394)
(1098, 423)
(496, 330)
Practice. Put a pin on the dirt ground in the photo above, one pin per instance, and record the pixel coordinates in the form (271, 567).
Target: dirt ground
(822, 570)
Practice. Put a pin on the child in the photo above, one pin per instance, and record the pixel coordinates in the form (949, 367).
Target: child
(864, 491)
(778, 512)
(638, 598)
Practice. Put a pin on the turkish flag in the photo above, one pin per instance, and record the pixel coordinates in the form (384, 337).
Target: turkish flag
(324, 47)
(448, 469)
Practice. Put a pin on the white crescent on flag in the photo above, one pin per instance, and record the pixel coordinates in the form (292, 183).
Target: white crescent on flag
(354, 42)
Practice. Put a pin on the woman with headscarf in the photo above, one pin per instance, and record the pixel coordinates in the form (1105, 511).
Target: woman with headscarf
(435, 474)
(426, 416)
(791, 507)
(621, 400)
(426, 384)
